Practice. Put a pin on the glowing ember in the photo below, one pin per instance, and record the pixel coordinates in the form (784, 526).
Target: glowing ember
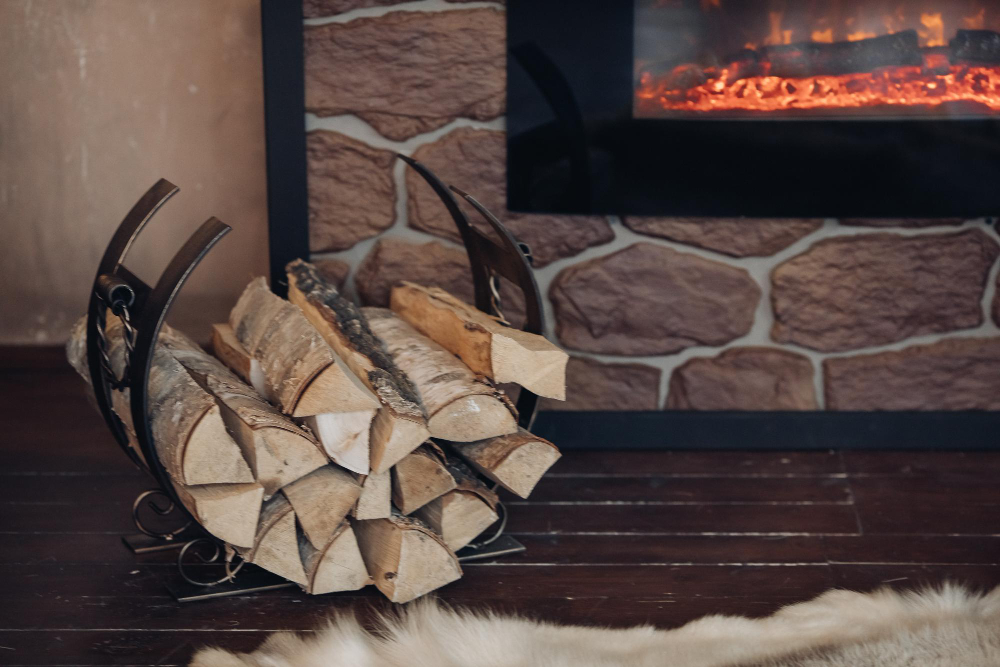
(936, 83)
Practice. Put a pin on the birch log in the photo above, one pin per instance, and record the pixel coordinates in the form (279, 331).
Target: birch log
(405, 557)
(276, 544)
(321, 500)
(375, 501)
(188, 431)
(228, 511)
(461, 406)
(462, 514)
(302, 374)
(277, 449)
(344, 436)
(516, 461)
(420, 477)
(400, 425)
(499, 352)
(336, 565)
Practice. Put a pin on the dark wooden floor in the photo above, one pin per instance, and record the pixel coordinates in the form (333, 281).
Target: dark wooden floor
(613, 538)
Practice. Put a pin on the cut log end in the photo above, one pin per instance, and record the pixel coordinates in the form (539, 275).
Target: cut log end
(375, 501)
(230, 512)
(517, 461)
(335, 566)
(405, 558)
(211, 456)
(392, 438)
(276, 546)
(472, 418)
(345, 437)
(321, 500)
(334, 389)
(419, 478)
(459, 517)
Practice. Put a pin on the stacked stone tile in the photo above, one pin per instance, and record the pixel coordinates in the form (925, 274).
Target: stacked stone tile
(694, 314)
(311, 430)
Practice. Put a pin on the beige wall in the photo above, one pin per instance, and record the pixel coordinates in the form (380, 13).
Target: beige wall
(99, 99)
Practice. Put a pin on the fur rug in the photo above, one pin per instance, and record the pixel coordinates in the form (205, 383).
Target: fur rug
(949, 627)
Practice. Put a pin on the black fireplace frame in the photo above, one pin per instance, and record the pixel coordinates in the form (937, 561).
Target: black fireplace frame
(575, 147)
(288, 215)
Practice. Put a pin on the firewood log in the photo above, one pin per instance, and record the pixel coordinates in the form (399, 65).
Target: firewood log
(303, 375)
(188, 431)
(227, 348)
(516, 461)
(979, 46)
(816, 58)
(344, 436)
(375, 501)
(405, 557)
(420, 477)
(277, 449)
(499, 352)
(228, 511)
(462, 514)
(334, 566)
(321, 500)
(276, 544)
(461, 405)
(400, 425)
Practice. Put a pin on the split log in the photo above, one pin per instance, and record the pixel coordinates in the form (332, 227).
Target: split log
(321, 500)
(228, 511)
(400, 425)
(302, 374)
(461, 405)
(463, 513)
(278, 450)
(499, 352)
(420, 477)
(405, 557)
(188, 431)
(865, 55)
(516, 461)
(980, 46)
(227, 348)
(345, 437)
(375, 501)
(336, 565)
(276, 544)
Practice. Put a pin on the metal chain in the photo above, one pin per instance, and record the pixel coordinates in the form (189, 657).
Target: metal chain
(121, 310)
(496, 303)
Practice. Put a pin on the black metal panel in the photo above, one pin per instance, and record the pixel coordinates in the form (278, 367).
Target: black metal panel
(564, 66)
(771, 430)
(284, 118)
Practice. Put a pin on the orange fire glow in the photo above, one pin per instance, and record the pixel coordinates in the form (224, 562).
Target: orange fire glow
(933, 35)
(891, 86)
(823, 35)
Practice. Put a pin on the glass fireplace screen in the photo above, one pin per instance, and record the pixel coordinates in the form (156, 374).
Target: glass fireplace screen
(817, 59)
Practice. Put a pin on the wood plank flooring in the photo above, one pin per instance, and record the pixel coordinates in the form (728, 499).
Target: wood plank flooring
(614, 538)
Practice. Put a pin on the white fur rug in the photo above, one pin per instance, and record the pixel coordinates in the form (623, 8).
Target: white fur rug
(950, 627)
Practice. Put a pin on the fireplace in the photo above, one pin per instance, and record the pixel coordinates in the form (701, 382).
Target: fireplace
(766, 108)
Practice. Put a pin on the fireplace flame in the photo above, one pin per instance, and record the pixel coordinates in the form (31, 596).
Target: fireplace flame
(934, 33)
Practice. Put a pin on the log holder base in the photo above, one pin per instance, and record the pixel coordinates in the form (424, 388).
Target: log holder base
(143, 310)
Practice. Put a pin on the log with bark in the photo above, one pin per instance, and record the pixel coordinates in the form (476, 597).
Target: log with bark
(188, 430)
(516, 461)
(462, 514)
(461, 405)
(276, 544)
(344, 436)
(977, 46)
(405, 557)
(401, 424)
(278, 450)
(230, 512)
(334, 566)
(321, 501)
(375, 501)
(420, 477)
(805, 59)
(499, 352)
(302, 374)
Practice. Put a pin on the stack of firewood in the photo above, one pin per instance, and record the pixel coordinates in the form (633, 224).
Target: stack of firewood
(340, 446)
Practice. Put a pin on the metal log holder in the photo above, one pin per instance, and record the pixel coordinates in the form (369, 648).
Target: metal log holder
(143, 310)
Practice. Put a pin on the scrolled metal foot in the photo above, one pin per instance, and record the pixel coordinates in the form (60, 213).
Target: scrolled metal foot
(194, 549)
(146, 499)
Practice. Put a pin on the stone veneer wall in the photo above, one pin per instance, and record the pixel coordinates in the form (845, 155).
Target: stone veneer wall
(658, 313)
